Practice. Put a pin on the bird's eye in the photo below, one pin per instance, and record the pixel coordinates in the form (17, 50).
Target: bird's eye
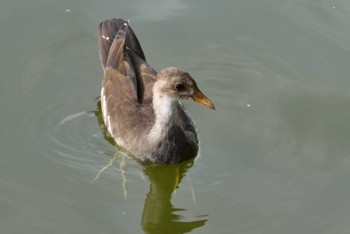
(179, 86)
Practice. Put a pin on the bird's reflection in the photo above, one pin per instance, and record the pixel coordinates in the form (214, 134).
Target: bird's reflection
(159, 215)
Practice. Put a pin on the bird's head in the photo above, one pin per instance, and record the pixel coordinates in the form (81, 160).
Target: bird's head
(179, 84)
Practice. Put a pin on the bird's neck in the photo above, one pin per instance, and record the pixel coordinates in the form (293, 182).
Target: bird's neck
(163, 106)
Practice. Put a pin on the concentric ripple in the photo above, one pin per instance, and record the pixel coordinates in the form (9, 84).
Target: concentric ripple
(68, 135)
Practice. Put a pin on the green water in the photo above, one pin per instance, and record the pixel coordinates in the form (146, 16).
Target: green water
(274, 157)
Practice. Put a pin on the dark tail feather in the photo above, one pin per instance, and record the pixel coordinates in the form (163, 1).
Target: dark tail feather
(108, 31)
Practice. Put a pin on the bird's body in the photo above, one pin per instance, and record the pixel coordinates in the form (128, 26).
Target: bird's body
(141, 108)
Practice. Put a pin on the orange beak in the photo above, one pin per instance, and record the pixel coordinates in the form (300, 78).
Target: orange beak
(199, 97)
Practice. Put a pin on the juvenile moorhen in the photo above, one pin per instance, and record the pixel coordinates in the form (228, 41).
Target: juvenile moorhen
(141, 107)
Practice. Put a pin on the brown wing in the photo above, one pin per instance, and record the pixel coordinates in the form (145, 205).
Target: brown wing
(143, 75)
(119, 91)
(126, 94)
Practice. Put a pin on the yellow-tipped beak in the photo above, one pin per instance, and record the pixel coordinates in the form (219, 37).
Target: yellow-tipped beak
(199, 97)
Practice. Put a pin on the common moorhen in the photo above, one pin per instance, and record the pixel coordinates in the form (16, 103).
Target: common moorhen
(140, 107)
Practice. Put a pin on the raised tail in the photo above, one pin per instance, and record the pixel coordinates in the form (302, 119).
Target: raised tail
(110, 30)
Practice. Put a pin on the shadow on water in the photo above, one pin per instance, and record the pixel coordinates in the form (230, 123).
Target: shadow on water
(159, 214)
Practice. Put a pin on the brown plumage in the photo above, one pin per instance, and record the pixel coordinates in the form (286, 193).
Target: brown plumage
(141, 108)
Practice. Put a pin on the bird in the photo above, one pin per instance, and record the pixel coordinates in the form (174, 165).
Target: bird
(141, 108)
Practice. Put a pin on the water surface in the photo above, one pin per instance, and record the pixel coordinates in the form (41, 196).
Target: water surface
(274, 157)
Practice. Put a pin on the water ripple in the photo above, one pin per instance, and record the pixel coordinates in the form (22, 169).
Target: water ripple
(76, 138)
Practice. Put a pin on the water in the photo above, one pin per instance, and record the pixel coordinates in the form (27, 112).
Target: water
(274, 156)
